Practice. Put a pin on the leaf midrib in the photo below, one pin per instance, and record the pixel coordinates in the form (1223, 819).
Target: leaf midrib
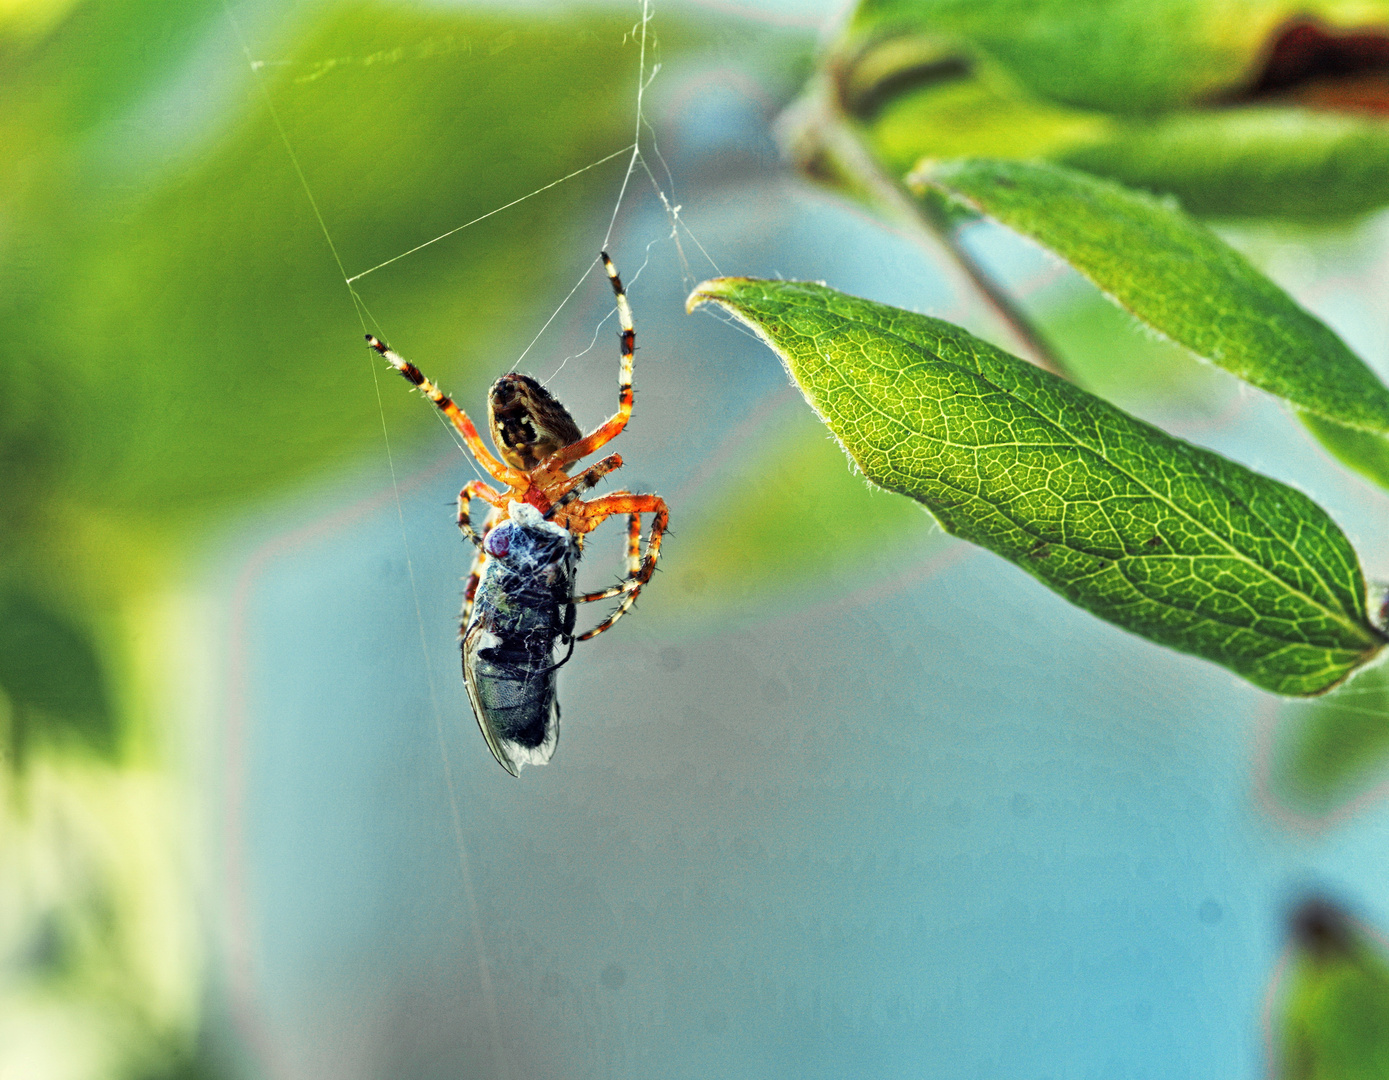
(1337, 616)
(1118, 565)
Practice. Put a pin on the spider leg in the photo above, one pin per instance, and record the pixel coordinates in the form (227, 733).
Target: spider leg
(475, 576)
(589, 443)
(583, 482)
(639, 570)
(633, 543)
(634, 562)
(457, 416)
(633, 565)
(475, 489)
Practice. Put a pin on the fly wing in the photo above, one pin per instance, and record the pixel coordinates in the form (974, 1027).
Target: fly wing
(515, 704)
(478, 638)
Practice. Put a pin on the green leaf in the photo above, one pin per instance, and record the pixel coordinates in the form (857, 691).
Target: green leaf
(1359, 450)
(1178, 277)
(51, 682)
(981, 114)
(1156, 535)
(1330, 750)
(1167, 96)
(1293, 163)
(1115, 55)
(1334, 1013)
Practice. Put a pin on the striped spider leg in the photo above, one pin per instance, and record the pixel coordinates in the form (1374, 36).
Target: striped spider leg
(518, 601)
(479, 561)
(582, 517)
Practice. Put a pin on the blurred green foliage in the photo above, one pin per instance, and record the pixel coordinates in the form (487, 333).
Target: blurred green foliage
(52, 683)
(1330, 750)
(1237, 107)
(1121, 56)
(793, 521)
(1333, 1020)
(179, 343)
(1292, 162)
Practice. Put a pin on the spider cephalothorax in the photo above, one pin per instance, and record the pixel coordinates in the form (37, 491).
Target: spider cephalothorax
(527, 423)
(538, 442)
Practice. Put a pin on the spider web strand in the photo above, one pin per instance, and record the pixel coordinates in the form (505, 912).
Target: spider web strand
(484, 217)
(587, 270)
(465, 863)
(636, 137)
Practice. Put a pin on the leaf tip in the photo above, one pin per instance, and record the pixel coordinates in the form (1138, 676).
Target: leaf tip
(714, 289)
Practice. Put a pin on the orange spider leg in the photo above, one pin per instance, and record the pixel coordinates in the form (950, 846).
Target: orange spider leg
(589, 443)
(633, 565)
(475, 489)
(569, 491)
(501, 473)
(470, 590)
(639, 570)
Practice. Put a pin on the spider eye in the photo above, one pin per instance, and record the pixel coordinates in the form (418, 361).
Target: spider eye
(498, 542)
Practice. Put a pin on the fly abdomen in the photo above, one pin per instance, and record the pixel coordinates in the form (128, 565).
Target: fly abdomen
(518, 699)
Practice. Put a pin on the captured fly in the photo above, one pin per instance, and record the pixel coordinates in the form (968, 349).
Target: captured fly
(519, 603)
(522, 610)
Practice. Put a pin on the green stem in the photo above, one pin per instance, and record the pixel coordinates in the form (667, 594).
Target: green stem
(834, 136)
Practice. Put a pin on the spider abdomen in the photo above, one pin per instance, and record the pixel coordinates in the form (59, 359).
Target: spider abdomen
(528, 424)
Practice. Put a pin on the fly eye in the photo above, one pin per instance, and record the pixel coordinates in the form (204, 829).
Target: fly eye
(498, 542)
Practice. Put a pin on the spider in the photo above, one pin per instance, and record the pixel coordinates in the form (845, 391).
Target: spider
(538, 442)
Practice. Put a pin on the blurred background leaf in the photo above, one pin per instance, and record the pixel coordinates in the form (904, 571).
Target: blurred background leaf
(1331, 750)
(1235, 108)
(1333, 1020)
(53, 686)
(1113, 54)
(175, 351)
